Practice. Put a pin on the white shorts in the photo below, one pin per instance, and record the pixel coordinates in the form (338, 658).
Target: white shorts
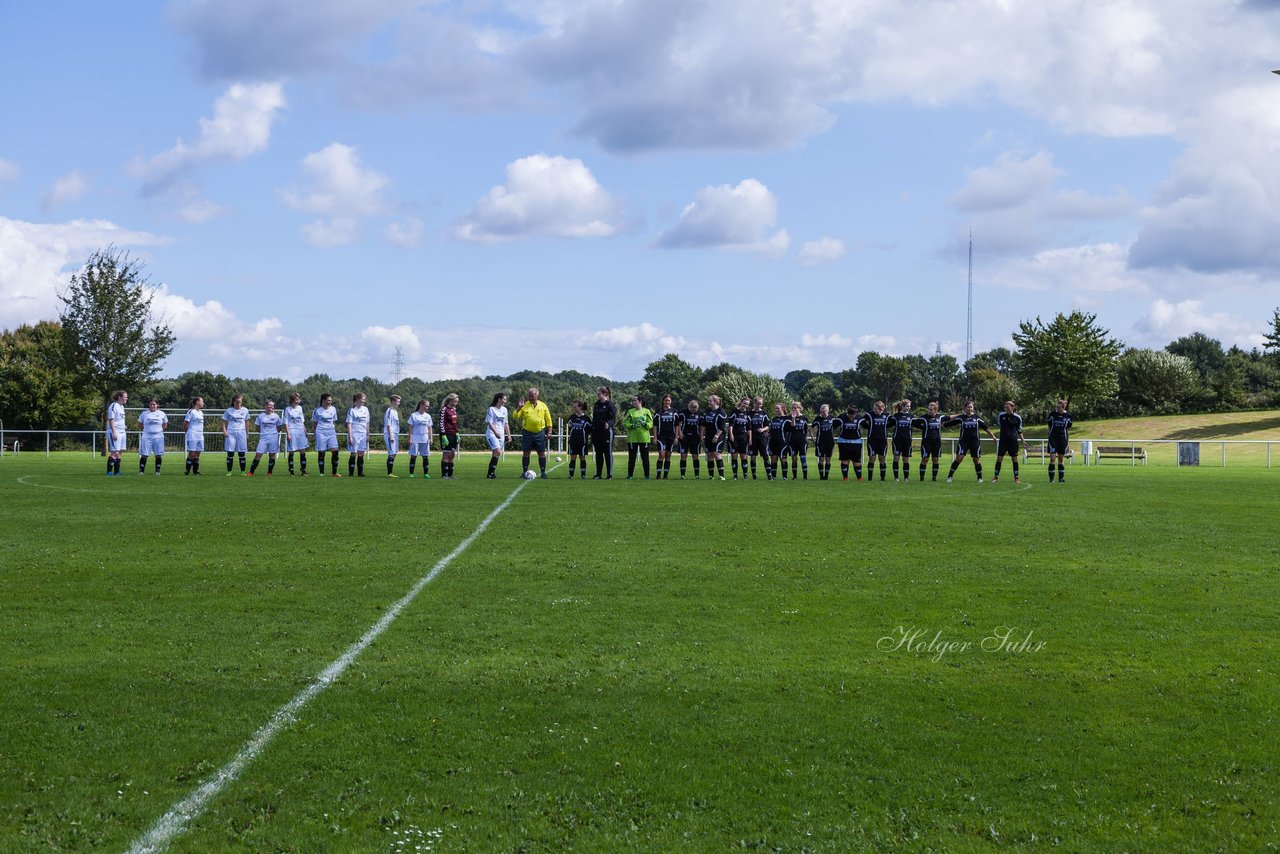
(392, 443)
(298, 441)
(151, 446)
(268, 443)
(495, 444)
(419, 449)
(236, 442)
(326, 442)
(195, 444)
(357, 444)
(116, 442)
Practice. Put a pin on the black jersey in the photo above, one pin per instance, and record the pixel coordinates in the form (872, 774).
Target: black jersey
(689, 422)
(797, 431)
(824, 429)
(664, 425)
(1010, 426)
(759, 420)
(901, 424)
(1059, 425)
(740, 421)
(877, 427)
(778, 427)
(603, 416)
(930, 426)
(970, 427)
(579, 427)
(712, 423)
(849, 427)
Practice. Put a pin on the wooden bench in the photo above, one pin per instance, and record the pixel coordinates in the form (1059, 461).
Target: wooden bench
(1120, 452)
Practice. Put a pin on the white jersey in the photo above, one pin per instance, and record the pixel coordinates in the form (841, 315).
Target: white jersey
(153, 423)
(358, 422)
(420, 425)
(115, 417)
(268, 422)
(237, 420)
(326, 420)
(496, 419)
(391, 422)
(295, 419)
(195, 423)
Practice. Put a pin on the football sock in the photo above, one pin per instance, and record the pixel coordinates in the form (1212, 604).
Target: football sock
(1015, 469)
(844, 470)
(998, 462)
(413, 463)
(302, 458)
(720, 467)
(186, 466)
(895, 468)
(159, 460)
(735, 467)
(573, 461)
(391, 464)
(804, 467)
(351, 464)
(142, 464)
(240, 454)
(542, 465)
(254, 466)
(231, 457)
(1062, 473)
(697, 467)
(955, 464)
(977, 466)
(753, 468)
(922, 468)
(857, 471)
(883, 468)
(360, 466)
(684, 466)
(195, 466)
(291, 462)
(333, 461)
(271, 464)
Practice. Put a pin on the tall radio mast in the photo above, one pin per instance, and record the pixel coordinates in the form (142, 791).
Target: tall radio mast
(968, 338)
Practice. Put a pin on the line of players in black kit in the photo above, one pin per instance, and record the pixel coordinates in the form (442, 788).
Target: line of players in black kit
(749, 434)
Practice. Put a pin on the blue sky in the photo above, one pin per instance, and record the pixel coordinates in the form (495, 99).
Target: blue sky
(506, 184)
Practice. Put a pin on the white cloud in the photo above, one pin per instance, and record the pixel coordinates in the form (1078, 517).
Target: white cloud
(9, 171)
(1165, 321)
(191, 321)
(407, 232)
(202, 210)
(69, 188)
(338, 187)
(1070, 270)
(546, 197)
(644, 338)
(384, 341)
(1009, 182)
(240, 127)
(834, 340)
(735, 218)
(820, 251)
(37, 260)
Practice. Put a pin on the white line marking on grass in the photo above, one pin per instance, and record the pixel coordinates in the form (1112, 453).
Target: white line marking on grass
(175, 821)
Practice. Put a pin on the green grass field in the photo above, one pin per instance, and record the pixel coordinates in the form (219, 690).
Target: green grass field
(643, 666)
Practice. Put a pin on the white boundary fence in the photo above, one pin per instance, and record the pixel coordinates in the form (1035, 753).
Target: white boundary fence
(1220, 453)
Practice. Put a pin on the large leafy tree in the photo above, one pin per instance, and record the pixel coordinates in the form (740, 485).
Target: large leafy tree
(669, 375)
(110, 338)
(1156, 379)
(1070, 357)
(36, 391)
(731, 386)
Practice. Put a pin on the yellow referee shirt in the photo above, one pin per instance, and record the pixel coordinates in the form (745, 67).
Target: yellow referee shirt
(533, 417)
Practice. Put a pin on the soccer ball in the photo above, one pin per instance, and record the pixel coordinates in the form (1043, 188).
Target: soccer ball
(529, 475)
(559, 460)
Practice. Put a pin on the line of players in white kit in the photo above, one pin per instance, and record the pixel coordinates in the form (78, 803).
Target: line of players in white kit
(749, 432)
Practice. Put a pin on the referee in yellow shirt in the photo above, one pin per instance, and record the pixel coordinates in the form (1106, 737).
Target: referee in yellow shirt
(535, 430)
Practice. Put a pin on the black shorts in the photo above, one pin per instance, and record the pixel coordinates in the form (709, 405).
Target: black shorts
(1007, 446)
(740, 443)
(902, 446)
(972, 447)
(877, 447)
(824, 447)
(448, 441)
(775, 446)
(931, 448)
(1059, 445)
(850, 452)
(665, 443)
(577, 445)
(760, 444)
(690, 445)
(714, 447)
(798, 449)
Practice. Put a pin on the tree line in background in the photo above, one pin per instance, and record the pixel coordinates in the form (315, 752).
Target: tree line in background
(59, 374)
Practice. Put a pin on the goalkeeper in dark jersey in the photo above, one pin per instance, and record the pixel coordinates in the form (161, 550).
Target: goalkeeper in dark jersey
(1010, 442)
(1059, 439)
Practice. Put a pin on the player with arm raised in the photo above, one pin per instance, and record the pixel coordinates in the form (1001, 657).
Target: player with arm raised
(420, 425)
(325, 418)
(930, 438)
(970, 439)
(1059, 439)
(295, 432)
(1010, 424)
(235, 432)
(269, 424)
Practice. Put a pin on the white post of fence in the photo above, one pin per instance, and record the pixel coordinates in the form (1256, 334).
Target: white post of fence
(46, 444)
(1224, 454)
